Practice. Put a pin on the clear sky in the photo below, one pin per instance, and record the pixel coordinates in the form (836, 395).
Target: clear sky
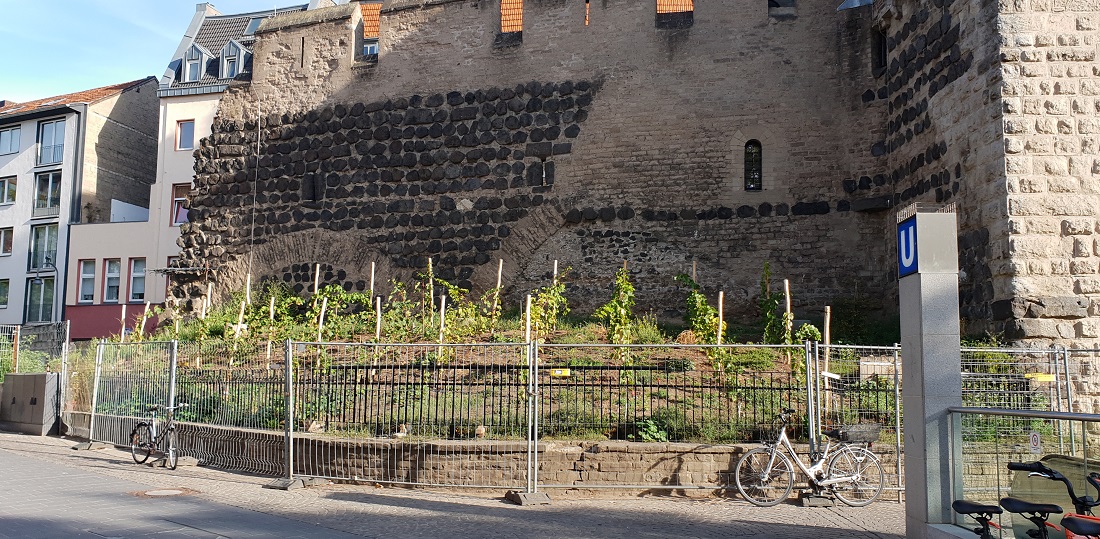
(56, 47)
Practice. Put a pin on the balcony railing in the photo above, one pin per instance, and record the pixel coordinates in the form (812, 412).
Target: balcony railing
(48, 211)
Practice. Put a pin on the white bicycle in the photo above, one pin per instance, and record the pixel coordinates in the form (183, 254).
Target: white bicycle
(851, 473)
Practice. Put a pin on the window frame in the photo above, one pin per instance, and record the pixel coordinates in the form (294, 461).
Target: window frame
(38, 263)
(8, 186)
(7, 240)
(5, 292)
(52, 207)
(178, 204)
(179, 135)
(754, 167)
(83, 278)
(46, 283)
(107, 276)
(133, 279)
(13, 137)
(58, 150)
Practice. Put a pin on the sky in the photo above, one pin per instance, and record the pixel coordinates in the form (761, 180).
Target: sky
(56, 47)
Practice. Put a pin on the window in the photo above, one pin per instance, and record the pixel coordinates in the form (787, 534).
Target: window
(878, 52)
(9, 140)
(754, 166)
(43, 248)
(231, 67)
(87, 281)
(193, 61)
(111, 279)
(179, 201)
(137, 279)
(51, 142)
(675, 14)
(3, 293)
(7, 190)
(233, 55)
(253, 25)
(185, 135)
(372, 18)
(587, 11)
(192, 71)
(511, 16)
(47, 194)
(40, 299)
(6, 236)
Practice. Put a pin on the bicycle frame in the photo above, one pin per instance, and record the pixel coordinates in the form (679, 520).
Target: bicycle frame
(816, 468)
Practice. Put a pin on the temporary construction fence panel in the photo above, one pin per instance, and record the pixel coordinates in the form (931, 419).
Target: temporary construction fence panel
(432, 415)
(128, 379)
(9, 346)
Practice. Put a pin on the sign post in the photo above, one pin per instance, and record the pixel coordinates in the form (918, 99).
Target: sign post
(928, 282)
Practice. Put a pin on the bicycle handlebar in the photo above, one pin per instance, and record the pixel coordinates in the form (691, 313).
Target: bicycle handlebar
(1081, 504)
(1033, 467)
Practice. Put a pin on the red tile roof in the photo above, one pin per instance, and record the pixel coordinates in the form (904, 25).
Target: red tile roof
(371, 18)
(86, 96)
(511, 15)
(675, 6)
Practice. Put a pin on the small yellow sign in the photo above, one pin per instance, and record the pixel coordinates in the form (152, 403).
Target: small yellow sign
(559, 373)
(1039, 377)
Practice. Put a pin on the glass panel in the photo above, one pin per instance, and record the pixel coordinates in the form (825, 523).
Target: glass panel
(3, 292)
(114, 268)
(9, 141)
(7, 191)
(192, 71)
(47, 134)
(187, 135)
(230, 68)
(6, 235)
(43, 247)
(754, 169)
(87, 280)
(40, 300)
(137, 279)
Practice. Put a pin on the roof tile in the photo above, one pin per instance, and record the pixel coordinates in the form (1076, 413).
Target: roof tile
(86, 96)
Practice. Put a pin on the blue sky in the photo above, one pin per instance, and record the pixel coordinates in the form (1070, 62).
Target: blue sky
(57, 47)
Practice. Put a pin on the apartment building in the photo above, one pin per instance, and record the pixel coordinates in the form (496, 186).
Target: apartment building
(84, 157)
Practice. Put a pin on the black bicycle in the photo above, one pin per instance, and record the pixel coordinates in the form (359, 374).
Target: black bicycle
(145, 438)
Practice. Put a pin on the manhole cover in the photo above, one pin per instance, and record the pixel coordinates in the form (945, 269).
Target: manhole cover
(166, 492)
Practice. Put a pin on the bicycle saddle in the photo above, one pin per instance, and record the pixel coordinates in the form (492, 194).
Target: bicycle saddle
(966, 507)
(1081, 526)
(1016, 505)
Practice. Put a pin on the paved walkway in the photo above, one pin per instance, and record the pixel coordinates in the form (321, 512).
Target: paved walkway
(48, 490)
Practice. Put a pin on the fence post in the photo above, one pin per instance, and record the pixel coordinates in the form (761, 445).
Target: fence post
(288, 369)
(534, 375)
(1069, 400)
(15, 349)
(897, 420)
(173, 364)
(811, 408)
(95, 389)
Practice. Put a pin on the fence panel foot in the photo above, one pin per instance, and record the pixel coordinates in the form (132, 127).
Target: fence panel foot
(527, 498)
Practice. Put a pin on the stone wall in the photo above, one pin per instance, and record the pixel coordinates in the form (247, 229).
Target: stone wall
(120, 152)
(590, 145)
(1051, 97)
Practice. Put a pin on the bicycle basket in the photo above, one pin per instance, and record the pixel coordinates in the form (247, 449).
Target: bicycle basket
(861, 433)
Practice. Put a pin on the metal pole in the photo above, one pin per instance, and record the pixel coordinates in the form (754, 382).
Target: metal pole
(95, 390)
(15, 349)
(1069, 399)
(288, 400)
(530, 421)
(897, 420)
(173, 357)
(1057, 394)
(535, 417)
(810, 408)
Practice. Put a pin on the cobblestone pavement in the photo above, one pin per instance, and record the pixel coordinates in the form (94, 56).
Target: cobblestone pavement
(50, 490)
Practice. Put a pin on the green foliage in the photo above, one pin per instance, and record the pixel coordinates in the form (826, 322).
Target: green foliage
(776, 319)
(548, 305)
(618, 313)
(646, 331)
(807, 332)
(649, 431)
(700, 316)
(852, 324)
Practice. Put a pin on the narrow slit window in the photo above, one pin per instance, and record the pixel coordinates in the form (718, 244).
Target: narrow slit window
(675, 13)
(372, 20)
(511, 16)
(587, 12)
(754, 166)
(878, 52)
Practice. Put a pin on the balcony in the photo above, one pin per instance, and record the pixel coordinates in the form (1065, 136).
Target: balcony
(45, 212)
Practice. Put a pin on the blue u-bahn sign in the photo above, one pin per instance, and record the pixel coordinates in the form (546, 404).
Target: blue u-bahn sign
(907, 247)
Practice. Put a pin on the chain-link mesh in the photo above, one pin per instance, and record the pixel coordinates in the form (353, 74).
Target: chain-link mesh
(9, 340)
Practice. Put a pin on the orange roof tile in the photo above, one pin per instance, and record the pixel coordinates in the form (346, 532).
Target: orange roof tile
(371, 19)
(675, 6)
(86, 96)
(511, 15)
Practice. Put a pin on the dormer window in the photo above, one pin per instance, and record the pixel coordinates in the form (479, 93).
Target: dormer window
(192, 71)
(233, 55)
(194, 63)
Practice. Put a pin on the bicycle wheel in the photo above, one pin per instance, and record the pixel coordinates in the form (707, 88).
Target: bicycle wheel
(173, 454)
(865, 471)
(141, 443)
(762, 487)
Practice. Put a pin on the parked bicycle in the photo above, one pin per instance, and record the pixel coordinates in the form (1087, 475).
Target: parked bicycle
(852, 474)
(145, 438)
(1075, 525)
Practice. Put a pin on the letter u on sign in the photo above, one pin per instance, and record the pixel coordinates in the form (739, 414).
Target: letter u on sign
(907, 247)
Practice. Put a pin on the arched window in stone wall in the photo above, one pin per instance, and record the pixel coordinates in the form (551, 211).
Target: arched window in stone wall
(754, 166)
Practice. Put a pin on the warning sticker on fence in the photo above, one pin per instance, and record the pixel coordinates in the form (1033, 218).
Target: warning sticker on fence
(1035, 443)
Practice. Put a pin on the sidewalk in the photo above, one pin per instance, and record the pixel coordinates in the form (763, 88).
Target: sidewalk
(49, 490)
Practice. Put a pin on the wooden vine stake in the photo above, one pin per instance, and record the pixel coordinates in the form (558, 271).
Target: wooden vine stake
(527, 332)
(431, 292)
(372, 279)
(721, 316)
(694, 268)
(237, 328)
(555, 273)
(788, 319)
(496, 298)
(316, 282)
(270, 325)
(828, 322)
(442, 326)
(248, 289)
(321, 325)
(377, 333)
(144, 317)
(123, 330)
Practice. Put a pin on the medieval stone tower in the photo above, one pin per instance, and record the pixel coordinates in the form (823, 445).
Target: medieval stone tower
(728, 134)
